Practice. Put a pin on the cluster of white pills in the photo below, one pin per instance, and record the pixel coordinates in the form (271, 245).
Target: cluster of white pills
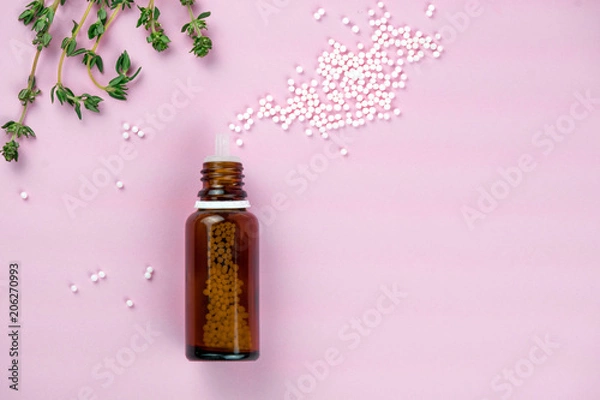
(320, 13)
(148, 273)
(430, 10)
(99, 275)
(95, 277)
(133, 129)
(351, 86)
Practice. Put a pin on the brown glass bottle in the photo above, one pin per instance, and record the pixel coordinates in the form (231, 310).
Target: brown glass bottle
(221, 293)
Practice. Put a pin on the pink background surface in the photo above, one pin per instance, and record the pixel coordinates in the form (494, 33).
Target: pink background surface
(478, 300)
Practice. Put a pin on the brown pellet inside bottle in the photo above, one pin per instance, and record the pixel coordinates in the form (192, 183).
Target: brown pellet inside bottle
(226, 325)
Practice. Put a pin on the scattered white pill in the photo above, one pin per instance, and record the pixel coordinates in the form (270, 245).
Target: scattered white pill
(355, 29)
(129, 303)
(321, 11)
(94, 278)
(299, 69)
(345, 20)
(148, 275)
(101, 274)
(126, 126)
(24, 195)
(150, 269)
(135, 129)
(74, 289)
(141, 134)
(239, 142)
(344, 152)
(125, 135)
(120, 184)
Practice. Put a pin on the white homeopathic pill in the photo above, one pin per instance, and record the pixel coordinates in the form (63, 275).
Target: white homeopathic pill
(101, 274)
(239, 142)
(141, 134)
(129, 303)
(150, 269)
(135, 129)
(148, 275)
(94, 278)
(125, 135)
(24, 195)
(120, 184)
(74, 288)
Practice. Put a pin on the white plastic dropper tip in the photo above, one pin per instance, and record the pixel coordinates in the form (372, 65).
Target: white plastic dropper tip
(222, 150)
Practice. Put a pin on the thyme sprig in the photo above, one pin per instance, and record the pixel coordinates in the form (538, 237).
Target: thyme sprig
(202, 44)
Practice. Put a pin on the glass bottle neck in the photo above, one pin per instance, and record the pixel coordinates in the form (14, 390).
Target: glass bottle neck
(222, 181)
